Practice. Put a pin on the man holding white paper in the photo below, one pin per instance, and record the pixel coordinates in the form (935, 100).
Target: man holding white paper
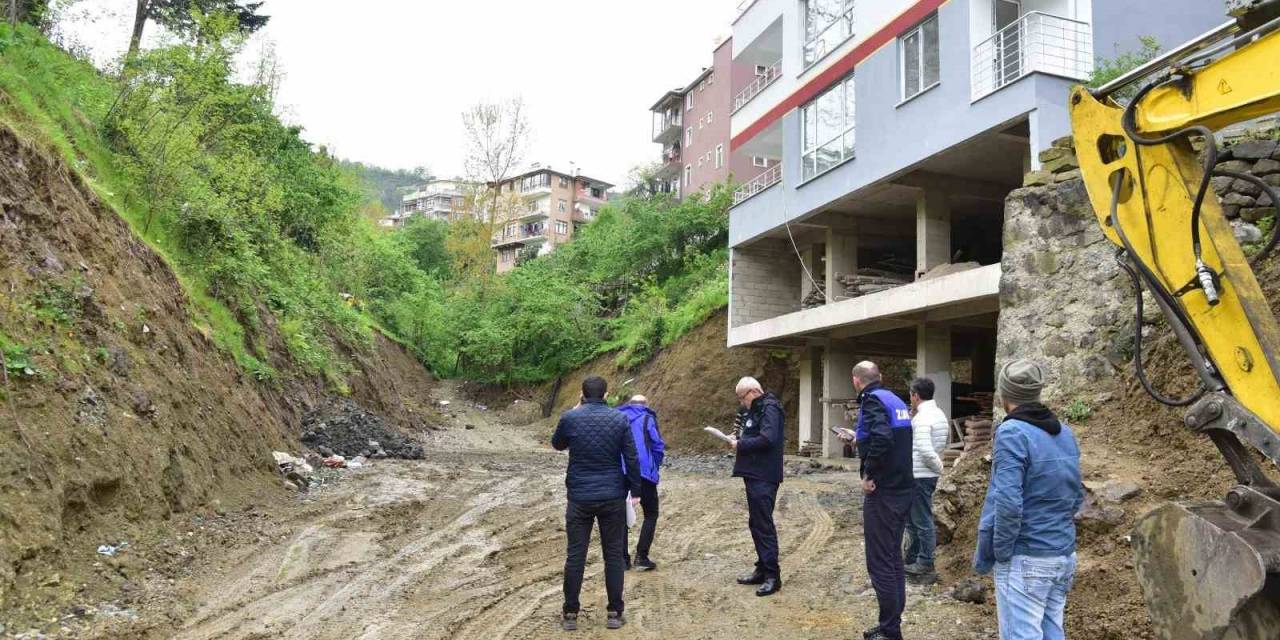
(759, 464)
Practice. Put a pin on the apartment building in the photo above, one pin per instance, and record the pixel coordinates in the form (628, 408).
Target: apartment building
(692, 125)
(436, 199)
(899, 127)
(542, 209)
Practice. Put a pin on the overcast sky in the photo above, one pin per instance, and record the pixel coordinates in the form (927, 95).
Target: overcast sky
(386, 81)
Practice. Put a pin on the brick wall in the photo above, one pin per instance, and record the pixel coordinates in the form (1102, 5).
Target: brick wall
(765, 282)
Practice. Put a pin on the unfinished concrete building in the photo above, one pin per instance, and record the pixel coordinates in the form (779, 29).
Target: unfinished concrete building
(900, 128)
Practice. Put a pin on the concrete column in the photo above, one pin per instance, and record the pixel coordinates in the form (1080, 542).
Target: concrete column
(933, 230)
(837, 383)
(842, 259)
(809, 255)
(983, 364)
(810, 418)
(933, 361)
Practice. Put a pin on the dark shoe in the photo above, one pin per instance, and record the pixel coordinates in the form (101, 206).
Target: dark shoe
(569, 622)
(754, 577)
(615, 621)
(870, 632)
(769, 587)
(922, 579)
(645, 564)
(626, 562)
(879, 635)
(915, 569)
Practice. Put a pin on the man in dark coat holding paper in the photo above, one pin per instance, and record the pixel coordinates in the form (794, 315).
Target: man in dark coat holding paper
(759, 464)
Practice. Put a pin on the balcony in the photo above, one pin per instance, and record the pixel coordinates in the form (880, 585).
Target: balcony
(585, 195)
(770, 177)
(667, 124)
(762, 81)
(1036, 43)
(526, 234)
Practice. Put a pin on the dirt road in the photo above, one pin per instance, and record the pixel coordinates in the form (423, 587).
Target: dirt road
(469, 544)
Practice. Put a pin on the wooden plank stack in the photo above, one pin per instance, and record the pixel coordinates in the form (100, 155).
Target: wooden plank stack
(869, 280)
(810, 449)
(817, 295)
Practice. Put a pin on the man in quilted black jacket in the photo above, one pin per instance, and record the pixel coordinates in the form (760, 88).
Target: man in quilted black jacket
(597, 437)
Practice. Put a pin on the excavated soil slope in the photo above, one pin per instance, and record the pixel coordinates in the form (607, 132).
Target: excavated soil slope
(690, 384)
(117, 412)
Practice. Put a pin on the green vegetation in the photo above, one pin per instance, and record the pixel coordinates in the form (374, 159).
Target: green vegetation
(1077, 411)
(1107, 69)
(272, 237)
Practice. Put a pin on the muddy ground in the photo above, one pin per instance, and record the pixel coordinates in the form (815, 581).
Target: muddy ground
(469, 543)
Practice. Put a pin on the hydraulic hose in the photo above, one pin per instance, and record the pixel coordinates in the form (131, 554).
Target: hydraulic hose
(1275, 202)
(1178, 319)
(1129, 122)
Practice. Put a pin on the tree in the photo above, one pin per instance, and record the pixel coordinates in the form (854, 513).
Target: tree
(497, 136)
(181, 16)
(643, 180)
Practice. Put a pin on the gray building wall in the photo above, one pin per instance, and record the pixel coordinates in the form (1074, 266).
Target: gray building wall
(764, 282)
(1118, 23)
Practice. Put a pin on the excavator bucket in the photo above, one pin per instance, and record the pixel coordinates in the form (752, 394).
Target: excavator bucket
(1203, 568)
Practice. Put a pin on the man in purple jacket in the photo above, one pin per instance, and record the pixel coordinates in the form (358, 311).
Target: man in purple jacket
(650, 450)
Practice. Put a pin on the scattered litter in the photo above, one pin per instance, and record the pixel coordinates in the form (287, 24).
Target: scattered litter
(443, 403)
(110, 550)
(296, 471)
(335, 462)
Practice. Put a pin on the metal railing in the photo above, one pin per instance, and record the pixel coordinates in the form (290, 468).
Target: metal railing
(770, 177)
(1037, 43)
(761, 82)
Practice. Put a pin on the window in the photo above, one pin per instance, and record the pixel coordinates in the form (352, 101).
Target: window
(564, 182)
(597, 193)
(511, 230)
(688, 101)
(827, 24)
(708, 117)
(919, 59)
(562, 227)
(827, 129)
(719, 156)
(699, 162)
(562, 205)
(688, 136)
(762, 69)
(760, 161)
(688, 174)
(533, 206)
(535, 181)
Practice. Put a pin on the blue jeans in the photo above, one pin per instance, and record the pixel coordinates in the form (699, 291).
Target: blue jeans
(1031, 595)
(921, 535)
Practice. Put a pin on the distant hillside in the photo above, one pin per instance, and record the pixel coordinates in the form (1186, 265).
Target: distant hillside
(385, 184)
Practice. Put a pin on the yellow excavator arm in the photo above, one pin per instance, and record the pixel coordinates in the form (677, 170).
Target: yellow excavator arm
(1209, 570)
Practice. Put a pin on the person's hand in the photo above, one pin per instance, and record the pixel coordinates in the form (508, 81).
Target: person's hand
(633, 500)
(732, 444)
(844, 435)
(868, 486)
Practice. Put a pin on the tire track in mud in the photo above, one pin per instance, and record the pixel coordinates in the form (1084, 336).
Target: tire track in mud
(377, 585)
(821, 529)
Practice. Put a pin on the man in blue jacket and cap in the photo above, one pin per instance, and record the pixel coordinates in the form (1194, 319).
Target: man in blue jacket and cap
(1027, 534)
(650, 450)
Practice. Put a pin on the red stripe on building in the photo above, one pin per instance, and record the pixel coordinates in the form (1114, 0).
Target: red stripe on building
(840, 68)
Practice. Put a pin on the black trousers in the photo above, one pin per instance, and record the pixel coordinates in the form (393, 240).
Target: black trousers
(579, 517)
(649, 503)
(761, 497)
(884, 518)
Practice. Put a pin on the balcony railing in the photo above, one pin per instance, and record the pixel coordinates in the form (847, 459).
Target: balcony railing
(666, 126)
(1037, 43)
(759, 84)
(770, 177)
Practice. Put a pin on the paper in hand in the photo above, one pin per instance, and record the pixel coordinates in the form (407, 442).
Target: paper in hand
(719, 434)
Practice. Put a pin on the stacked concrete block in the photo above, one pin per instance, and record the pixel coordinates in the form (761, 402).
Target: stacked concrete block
(766, 282)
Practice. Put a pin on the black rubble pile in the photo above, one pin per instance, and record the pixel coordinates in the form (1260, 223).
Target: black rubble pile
(347, 429)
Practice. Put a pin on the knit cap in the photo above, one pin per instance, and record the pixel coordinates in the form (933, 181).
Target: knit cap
(1020, 382)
